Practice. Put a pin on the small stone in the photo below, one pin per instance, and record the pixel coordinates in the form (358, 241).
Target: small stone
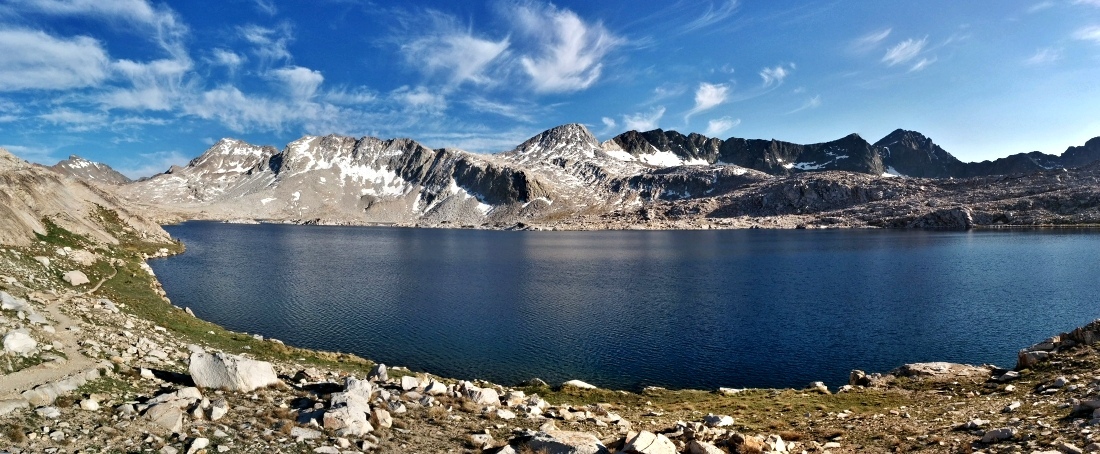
(712, 420)
(1011, 407)
(89, 404)
(48, 412)
(505, 414)
(197, 445)
(996, 435)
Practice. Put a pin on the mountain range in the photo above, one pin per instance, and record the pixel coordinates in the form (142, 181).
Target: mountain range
(565, 178)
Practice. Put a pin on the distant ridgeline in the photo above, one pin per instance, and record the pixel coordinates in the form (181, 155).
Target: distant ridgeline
(565, 174)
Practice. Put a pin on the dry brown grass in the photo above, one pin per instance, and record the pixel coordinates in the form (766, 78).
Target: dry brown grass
(16, 433)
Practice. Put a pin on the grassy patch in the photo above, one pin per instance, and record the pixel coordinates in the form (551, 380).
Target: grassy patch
(57, 236)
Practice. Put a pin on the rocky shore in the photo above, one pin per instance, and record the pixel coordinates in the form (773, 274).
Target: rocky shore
(96, 359)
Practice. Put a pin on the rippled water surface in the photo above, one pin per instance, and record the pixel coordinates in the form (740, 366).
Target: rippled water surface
(628, 309)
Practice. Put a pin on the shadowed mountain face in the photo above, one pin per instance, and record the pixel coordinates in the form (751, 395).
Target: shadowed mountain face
(566, 177)
(901, 152)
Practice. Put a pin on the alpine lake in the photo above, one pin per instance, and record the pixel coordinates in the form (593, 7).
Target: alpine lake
(629, 309)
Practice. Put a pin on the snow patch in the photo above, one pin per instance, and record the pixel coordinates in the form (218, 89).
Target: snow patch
(892, 172)
(268, 200)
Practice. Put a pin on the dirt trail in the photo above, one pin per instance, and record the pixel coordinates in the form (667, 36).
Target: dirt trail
(14, 384)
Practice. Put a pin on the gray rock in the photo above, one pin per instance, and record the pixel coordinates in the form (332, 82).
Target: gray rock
(48, 412)
(197, 445)
(381, 418)
(167, 416)
(45, 261)
(89, 404)
(230, 372)
(483, 396)
(75, 278)
(997, 435)
(713, 420)
(19, 342)
(302, 433)
(646, 442)
(10, 405)
(563, 442)
(218, 409)
(409, 383)
(11, 303)
(699, 447)
(378, 373)
(1027, 359)
(578, 384)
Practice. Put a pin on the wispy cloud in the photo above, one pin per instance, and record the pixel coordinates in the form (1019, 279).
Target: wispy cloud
(521, 113)
(227, 58)
(75, 120)
(31, 59)
(149, 164)
(644, 121)
(1087, 2)
(922, 64)
(1040, 6)
(708, 96)
(1090, 33)
(776, 76)
(453, 51)
(721, 125)
(269, 44)
(299, 83)
(569, 52)
(811, 103)
(904, 51)
(156, 85)
(1044, 56)
(169, 30)
(870, 41)
(266, 7)
(715, 13)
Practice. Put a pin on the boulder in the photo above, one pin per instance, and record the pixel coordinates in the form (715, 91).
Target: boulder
(483, 396)
(940, 369)
(996, 435)
(562, 442)
(18, 342)
(1027, 359)
(381, 418)
(712, 420)
(378, 373)
(646, 442)
(578, 384)
(75, 278)
(11, 303)
(167, 416)
(230, 372)
(45, 261)
(700, 447)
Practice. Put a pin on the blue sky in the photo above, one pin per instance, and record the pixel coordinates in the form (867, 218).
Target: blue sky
(143, 84)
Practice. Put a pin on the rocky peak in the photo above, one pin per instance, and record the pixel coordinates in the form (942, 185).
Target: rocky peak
(572, 135)
(1082, 155)
(231, 156)
(913, 154)
(9, 161)
(84, 169)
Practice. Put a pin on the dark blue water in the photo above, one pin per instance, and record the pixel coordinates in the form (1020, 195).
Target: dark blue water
(757, 308)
